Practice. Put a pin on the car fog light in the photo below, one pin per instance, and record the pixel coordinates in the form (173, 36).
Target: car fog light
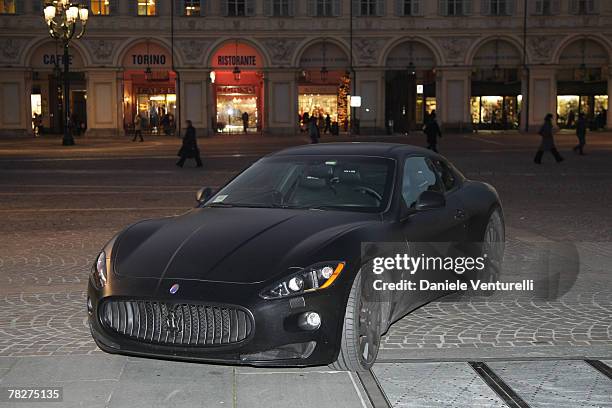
(309, 321)
(296, 284)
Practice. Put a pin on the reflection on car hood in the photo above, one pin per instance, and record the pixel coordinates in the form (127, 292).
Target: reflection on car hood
(242, 245)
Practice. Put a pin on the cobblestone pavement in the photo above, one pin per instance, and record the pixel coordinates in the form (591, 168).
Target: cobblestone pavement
(59, 208)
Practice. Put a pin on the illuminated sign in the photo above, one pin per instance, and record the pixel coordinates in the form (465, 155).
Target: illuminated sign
(237, 60)
(148, 59)
(53, 59)
(236, 90)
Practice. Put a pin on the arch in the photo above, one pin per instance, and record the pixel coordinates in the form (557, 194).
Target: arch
(217, 45)
(38, 43)
(122, 51)
(313, 42)
(570, 41)
(511, 44)
(428, 44)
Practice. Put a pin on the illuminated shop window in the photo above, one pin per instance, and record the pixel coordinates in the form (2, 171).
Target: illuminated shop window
(147, 7)
(7, 7)
(100, 7)
(192, 7)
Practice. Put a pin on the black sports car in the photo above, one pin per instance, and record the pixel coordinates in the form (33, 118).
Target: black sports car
(271, 269)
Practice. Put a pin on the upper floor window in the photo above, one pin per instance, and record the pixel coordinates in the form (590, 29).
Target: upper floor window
(498, 7)
(8, 7)
(99, 7)
(279, 8)
(192, 7)
(583, 6)
(369, 7)
(147, 7)
(408, 7)
(546, 7)
(323, 8)
(239, 8)
(455, 7)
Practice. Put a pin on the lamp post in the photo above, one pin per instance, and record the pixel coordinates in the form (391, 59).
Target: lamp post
(62, 18)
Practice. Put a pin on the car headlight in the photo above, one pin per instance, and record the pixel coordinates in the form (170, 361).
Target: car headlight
(315, 277)
(102, 265)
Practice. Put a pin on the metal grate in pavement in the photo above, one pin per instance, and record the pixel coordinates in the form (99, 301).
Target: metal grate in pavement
(425, 385)
(559, 384)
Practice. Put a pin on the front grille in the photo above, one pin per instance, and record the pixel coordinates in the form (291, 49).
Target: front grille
(177, 324)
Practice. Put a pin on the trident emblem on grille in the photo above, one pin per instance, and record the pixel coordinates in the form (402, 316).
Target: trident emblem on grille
(173, 321)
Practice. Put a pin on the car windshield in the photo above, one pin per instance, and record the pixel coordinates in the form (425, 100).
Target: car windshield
(347, 183)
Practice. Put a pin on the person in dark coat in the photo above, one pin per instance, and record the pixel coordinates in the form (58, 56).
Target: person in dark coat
(327, 124)
(548, 141)
(189, 149)
(245, 121)
(313, 130)
(432, 130)
(581, 130)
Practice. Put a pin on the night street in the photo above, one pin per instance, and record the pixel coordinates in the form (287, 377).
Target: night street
(60, 205)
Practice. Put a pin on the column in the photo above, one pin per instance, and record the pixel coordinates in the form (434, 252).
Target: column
(102, 100)
(371, 114)
(193, 100)
(14, 104)
(453, 98)
(280, 103)
(542, 94)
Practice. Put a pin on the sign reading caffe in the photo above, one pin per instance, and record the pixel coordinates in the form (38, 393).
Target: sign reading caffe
(48, 56)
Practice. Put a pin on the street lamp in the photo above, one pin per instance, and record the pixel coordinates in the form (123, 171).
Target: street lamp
(62, 18)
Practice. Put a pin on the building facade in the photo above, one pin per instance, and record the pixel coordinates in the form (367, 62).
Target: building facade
(477, 63)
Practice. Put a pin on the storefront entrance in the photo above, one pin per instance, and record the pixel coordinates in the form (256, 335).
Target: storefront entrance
(149, 90)
(237, 88)
(496, 112)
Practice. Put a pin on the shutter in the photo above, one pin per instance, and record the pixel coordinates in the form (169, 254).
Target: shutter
(509, 7)
(415, 7)
(179, 8)
(467, 7)
(224, 8)
(18, 6)
(443, 7)
(593, 6)
(37, 6)
(555, 6)
(485, 7)
(250, 7)
(381, 8)
(268, 9)
(399, 7)
(573, 8)
(311, 8)
(356, 7)
(336, 8)
(113, 7)
(133, 7)
(291, 8)
(538, 7)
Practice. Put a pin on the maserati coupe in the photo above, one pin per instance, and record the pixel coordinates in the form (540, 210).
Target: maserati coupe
(273, 268)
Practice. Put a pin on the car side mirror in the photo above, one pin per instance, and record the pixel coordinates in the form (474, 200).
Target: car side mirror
(204, 194)
(429, 200)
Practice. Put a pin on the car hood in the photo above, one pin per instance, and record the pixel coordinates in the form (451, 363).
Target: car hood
(239, 245)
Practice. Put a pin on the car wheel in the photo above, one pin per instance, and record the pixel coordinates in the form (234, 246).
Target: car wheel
(361, 331)
(492, 248)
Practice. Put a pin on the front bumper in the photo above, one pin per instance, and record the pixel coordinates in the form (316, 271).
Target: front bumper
(276, 338)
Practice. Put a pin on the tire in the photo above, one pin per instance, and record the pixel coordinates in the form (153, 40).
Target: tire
(361, 332)
(493, 247)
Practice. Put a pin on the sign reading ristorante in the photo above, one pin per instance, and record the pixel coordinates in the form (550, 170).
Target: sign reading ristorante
(237, 60)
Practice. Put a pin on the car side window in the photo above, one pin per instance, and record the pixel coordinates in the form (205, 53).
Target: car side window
(446, 175)
(419, 175)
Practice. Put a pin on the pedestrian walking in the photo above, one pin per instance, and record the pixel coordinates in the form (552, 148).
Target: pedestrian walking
(189, 149)
(432, 130)
(245, 121)
(327, 124)
(313, 130)
(548, 141)
(138, 128)
(581, 130)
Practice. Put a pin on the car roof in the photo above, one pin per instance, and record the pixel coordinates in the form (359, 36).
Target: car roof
(373, 149)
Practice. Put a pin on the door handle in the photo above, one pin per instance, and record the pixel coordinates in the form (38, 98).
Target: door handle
(459, 214)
